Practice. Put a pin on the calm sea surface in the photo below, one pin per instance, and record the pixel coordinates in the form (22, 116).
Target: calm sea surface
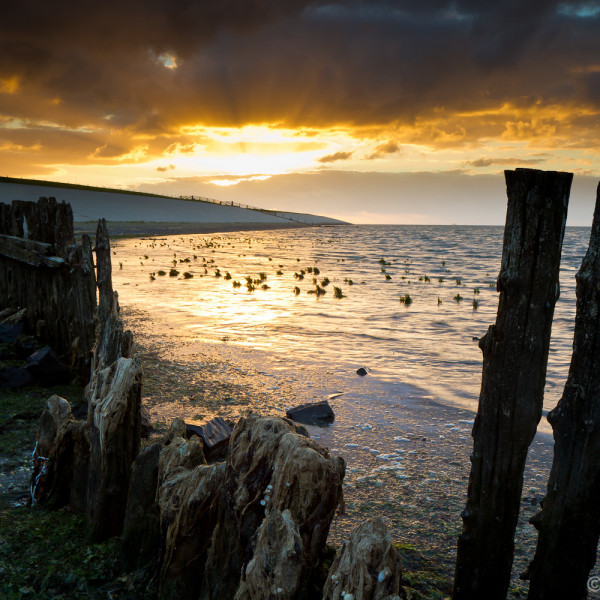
(429, 345)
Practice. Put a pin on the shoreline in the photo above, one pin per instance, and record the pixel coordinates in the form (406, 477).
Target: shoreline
(407, 460)
(144, 229)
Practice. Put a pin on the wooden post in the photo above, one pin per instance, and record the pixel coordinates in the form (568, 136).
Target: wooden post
(42, 269)
(104, 276)
(515, 355)
(112, 341)
(569, 524)
(114, 437)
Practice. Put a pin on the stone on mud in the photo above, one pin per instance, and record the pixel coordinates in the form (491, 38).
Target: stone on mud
(314, 412)
(46, 368)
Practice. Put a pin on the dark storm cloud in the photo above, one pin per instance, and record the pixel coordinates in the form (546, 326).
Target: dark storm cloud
(295, 62)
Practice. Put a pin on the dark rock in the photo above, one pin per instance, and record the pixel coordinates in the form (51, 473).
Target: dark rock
(5, 313)
(214, 435)
(14, 377)
(25, 346)
(15, 317)
(362, 371)
(9, 332)
(141, 540)
(46, 368)
(315, 412)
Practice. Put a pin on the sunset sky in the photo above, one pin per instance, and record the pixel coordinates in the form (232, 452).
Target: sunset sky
(376, 111)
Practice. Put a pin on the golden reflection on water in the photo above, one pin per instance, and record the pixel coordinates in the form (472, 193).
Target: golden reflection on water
(448, 272)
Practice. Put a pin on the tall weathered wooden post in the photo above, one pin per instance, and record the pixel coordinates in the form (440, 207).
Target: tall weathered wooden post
(515, 356)
(569, 524)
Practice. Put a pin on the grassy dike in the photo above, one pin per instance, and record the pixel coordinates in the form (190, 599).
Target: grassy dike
(45, 554)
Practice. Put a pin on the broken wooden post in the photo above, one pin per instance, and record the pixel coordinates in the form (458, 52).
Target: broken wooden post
(515, 356)
(569, 523)
(114, 436)
(367, 565)
(112, 340)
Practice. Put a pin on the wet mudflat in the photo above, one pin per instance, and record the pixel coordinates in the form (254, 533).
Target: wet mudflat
(407, 459)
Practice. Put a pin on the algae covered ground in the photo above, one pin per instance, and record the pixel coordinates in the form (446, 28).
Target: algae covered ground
(46, 554)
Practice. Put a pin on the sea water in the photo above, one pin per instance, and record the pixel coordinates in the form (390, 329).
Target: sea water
(429, 344)
(404, 429)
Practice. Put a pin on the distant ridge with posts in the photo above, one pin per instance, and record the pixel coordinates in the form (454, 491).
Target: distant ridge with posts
(159, 213)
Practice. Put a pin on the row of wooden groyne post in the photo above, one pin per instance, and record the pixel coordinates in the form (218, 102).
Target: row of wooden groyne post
(254, 525)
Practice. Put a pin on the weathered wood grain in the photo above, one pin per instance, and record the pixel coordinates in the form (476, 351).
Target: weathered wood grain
(569, 523)
(42, 269)
(515, 355)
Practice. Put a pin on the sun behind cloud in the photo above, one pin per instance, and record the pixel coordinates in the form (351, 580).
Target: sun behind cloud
(187, 91)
